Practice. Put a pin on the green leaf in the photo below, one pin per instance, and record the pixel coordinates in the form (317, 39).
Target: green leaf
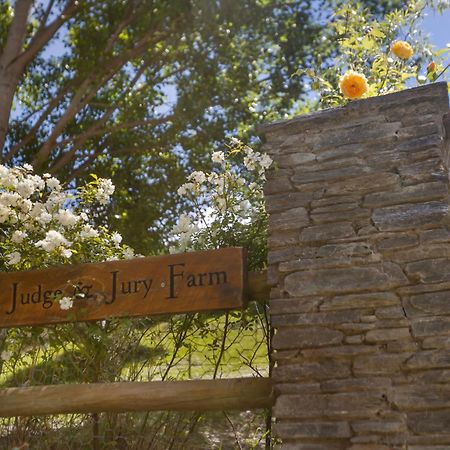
(368, 43)
(377, 33)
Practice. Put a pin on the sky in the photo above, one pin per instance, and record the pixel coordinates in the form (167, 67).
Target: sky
(438, 27)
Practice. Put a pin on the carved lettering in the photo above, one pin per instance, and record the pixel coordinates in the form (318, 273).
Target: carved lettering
(144, 286)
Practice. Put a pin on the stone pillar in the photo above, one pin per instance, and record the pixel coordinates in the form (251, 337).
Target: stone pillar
(359, 261)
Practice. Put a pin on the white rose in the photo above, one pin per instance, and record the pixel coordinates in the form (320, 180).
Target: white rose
(53, 239)
(198, 177)
(88, 232)
(128, 253)
(18, 236)
(107, 186)
(218, 157)
(66, 303)
(37, 210)
(184, 225)
(116, 238)
(13, 258)
(44, 218)
(37, 181)
(66, 252)
(9, 198)
(5, 212)
(104, 191)
(5, 355)
(53, 184)
(265, 161)
(245, 205)
(25, 188)
(26, 205)
(66, 218)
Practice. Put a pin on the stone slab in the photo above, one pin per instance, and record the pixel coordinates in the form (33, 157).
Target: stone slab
(342, 280)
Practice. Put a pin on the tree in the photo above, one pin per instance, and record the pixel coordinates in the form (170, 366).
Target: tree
(142, 90)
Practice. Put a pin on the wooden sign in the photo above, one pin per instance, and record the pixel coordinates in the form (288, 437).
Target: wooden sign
(180, 283)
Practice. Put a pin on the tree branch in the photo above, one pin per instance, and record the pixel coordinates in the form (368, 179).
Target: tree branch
(16, 34)
(32, 133)
(43, 35)
(128, 20)
(97, 127)
(87, 91)
(9, 76)
(67, 157)
(13, 60)
(46, 14)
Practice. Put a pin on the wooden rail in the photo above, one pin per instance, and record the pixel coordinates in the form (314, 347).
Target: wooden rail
(194, 395)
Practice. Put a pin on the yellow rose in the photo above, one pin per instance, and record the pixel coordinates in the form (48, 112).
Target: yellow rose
(353, 84)
(402, 50)
(431, 67)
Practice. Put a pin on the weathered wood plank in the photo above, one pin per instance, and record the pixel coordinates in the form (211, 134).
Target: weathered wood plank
(258, 289)
(185, 282)
(195, 395)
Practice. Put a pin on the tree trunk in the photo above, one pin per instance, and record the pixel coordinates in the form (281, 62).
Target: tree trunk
(9, 72)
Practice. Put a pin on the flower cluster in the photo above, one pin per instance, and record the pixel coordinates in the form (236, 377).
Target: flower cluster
(372, 60)
(223, 202)
(41, 224)
(354, 85)
(105, 189)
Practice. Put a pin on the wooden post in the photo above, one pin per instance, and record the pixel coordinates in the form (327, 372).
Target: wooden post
(192, 395)
(258, 289)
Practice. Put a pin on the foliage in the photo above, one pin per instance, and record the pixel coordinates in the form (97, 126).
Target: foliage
(41, 224)
(370, 48)
(227, 204)
(141, 91)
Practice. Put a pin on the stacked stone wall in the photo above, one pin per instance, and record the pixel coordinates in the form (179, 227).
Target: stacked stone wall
(359, 261)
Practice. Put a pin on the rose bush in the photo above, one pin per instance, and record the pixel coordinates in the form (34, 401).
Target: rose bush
(43, 224)
(376, 56)
(226, 204)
